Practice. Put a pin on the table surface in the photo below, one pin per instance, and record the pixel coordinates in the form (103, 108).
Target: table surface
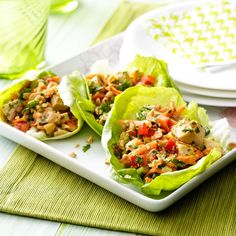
(68, 35)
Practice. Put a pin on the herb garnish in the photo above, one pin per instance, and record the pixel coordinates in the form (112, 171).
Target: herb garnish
(141, 115)
(123, 86)
(86, 147)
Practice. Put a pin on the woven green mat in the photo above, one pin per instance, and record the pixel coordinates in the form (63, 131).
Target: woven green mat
(33, 186)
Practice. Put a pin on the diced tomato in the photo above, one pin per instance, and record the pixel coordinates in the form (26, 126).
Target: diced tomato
(170, 123)
(132, 132)
(137, 161)
(22, 125)
(165, 122)
(171, 145)
(98, 95)
(143, 129)
(148, 80)
(151, 132)
(133, 161)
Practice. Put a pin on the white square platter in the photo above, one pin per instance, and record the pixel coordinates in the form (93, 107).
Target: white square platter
(91, 164)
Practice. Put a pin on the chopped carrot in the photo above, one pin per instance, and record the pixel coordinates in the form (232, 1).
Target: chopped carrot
(191, 159)
(125, 160)
(72, 124)
(164, 122)
(148, 179)
(53, 79)
(144, 148)
(171, 165)
(153, 170)
(178, 111)
(114, 90)
(135, 78)
(104, 80)
(19, 120)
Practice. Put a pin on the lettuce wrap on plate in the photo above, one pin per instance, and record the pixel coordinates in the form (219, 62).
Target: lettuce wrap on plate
(103, 85)
(41, 107)
(156, 142)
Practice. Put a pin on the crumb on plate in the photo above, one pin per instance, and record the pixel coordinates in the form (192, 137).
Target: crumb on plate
(232, 145)
(90, 139)
(73, 154)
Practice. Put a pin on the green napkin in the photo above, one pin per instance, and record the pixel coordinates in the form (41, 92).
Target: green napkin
(124, 15)
(33, 186)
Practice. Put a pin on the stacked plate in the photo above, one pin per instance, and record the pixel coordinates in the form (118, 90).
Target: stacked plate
(212, 84)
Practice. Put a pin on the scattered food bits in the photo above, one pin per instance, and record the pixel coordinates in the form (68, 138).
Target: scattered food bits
(107, 162)
(73, 154)
(86, 147)
(77, 145)
(231, 146)
(90, 139)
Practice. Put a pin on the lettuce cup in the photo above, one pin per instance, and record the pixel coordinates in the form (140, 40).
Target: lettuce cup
(155, 141)
(41, 107)
(103, 85)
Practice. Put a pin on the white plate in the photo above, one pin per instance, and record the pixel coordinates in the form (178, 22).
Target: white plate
(137, 40)
(210, 101)
(91, 165)
(215, 93)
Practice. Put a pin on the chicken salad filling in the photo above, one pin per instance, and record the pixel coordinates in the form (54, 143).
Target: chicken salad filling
(104, 88)
(162, 140)
(38, 107)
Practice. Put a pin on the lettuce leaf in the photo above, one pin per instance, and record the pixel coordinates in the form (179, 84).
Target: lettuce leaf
(198, 114)
(84, 102)
(172, 180)
(154, 67)
(66, 92)
(125, 107)
(7, 93)
(147, 65)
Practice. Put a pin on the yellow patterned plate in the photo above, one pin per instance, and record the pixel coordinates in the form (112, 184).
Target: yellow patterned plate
(140, 39)
(204, 35)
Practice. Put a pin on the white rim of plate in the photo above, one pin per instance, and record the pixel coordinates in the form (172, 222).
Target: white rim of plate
(206, 92)
(209, 101)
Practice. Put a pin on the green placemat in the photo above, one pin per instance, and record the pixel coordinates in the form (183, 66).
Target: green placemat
(124, 15)
(33, 186)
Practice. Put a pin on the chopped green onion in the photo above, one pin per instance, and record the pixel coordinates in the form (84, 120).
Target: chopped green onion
(86, 147)
(32, 104)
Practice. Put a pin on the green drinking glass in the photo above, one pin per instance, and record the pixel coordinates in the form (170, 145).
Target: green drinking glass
(63, 6)
(23, 26)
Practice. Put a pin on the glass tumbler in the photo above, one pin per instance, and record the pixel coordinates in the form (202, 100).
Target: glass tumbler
(23, 26)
